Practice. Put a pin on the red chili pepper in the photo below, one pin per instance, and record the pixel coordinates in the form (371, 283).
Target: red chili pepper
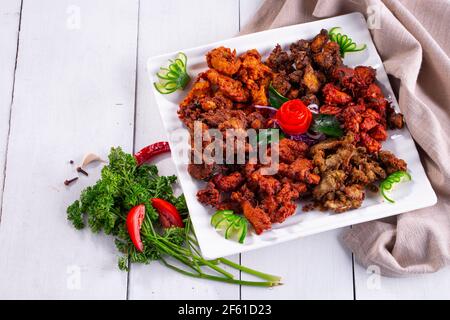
(134, 222)
(294, 117)
(168, 214)
(150, 151)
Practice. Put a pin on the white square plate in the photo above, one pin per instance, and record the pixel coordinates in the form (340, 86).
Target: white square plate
(418, 193)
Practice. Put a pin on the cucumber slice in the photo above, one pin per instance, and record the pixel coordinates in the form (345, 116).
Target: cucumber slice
(243, 232)
(230, 225)
(220, 216)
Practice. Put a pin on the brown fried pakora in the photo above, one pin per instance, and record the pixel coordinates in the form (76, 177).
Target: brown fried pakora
(345, 170)
(223, 60)
(334, 172)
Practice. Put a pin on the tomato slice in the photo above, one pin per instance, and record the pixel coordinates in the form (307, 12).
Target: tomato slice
(294, 117)
(134, 222)
(168, 213)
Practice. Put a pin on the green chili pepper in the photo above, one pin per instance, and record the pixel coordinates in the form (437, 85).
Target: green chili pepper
(346, 44)
(174, 77)
(232, 225)
(392, 179)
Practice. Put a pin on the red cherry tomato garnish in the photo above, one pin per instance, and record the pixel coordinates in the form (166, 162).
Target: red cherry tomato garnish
(294, 117)
(134, 222)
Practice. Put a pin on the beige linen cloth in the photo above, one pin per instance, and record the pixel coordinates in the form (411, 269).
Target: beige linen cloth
(413, 41)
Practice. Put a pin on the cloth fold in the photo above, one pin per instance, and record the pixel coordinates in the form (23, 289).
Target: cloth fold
(412, 40)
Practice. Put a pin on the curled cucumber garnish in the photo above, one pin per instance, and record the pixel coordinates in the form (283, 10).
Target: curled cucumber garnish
(233, 226)
(387, 185)
(345, 43)
(173, 77)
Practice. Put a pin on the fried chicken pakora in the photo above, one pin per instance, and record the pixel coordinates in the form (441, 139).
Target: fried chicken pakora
(346, 170)
(223, 60)
(360, 105)
(333, 173)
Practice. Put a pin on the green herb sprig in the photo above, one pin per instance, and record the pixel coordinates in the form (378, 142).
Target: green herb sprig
(124, 184)
(346, 43)
(174, 77)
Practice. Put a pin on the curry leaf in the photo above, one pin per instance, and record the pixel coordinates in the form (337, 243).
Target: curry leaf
(327, 124)
(276, 99)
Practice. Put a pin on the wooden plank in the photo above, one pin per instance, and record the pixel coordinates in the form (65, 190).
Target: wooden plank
(74, 93)
(316, 267)
(248, 9)
(9, 32)
(167, 26)
(370, 286)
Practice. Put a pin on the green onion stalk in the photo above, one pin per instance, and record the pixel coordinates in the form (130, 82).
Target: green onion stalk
(189, 256)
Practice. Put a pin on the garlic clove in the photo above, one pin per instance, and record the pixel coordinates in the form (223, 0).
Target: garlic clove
(89, 158)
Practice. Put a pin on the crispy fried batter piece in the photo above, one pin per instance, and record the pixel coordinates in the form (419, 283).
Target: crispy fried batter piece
(349, 198)
(365, 118)
(394, 120)
(200, 90)
(330, 183)
(290, 150)
(319, 41)
(334, 96)
(233, 89)
(329, 57)
(217, 101)
(354, 79)
(330, 109)
(210, 195)
(255, 75)
(391, 162)
(217, 119)
(230, 182)
(223, 60)
(345, 171)
(299, 170)
(310, 99)
(279, 60)
(267, 184)
(281, 83)
(285, 198)
(200, 171)
(257, 217)
(310, 80)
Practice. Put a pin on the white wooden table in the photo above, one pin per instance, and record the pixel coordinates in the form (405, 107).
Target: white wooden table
(73, 80)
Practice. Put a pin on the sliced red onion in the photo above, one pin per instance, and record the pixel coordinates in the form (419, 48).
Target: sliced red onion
(307, 138)
(314, 108)
(266, 107)
(315, 135)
